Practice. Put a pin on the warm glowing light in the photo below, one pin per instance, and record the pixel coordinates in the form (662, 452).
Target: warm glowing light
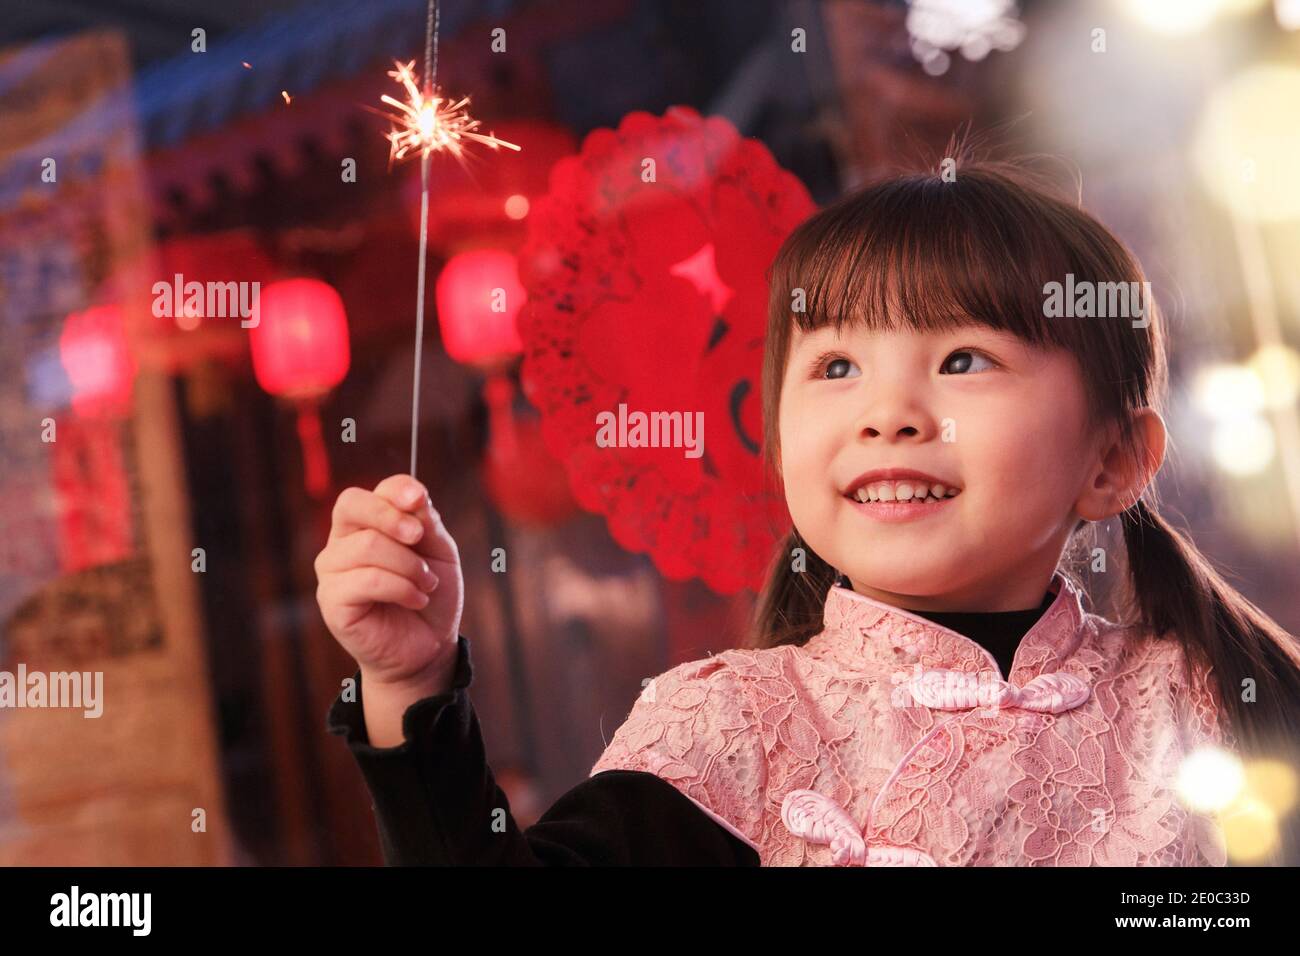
(1287, 13)
(1249, 820)
(1228, 391)
(1250, 830)
(1245, 156)
(428, 124)
(1273, 783)
(1244, 446)
(975, 27)
(517, 206)
(1172, 17)
(1210, 779)
(1183, 17)
(1246, 800)
(1278, 369)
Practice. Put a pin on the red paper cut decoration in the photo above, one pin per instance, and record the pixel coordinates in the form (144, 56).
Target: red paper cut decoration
(300, 352)
(477, 320)
(653, 295)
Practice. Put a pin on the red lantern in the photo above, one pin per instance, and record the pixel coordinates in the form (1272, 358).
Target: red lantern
(300, 343)
(479, 295)
(300, 352)
(95, 355)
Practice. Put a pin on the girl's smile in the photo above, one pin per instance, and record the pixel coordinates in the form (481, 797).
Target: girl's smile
(900, 494)
(902, 509)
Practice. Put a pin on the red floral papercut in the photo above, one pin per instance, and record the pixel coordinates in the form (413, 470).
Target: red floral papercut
(653, 295)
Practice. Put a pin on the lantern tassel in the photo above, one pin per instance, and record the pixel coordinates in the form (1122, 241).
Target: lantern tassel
(499, 395)
(315, 461)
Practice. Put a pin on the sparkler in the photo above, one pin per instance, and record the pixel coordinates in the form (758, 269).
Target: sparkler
(431, 124)
(428, 122)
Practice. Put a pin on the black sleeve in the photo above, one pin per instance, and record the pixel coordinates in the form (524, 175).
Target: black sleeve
(437, 803)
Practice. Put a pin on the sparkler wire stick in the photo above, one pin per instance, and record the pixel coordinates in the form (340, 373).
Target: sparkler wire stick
(430, 71)
(431, 123)
(419, 306)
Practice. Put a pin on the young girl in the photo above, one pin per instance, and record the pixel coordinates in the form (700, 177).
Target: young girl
(924, 685)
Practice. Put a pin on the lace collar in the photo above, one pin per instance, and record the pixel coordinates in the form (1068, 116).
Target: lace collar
(862, 632)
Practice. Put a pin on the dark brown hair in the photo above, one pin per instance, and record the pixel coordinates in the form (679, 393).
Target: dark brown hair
(916, 251)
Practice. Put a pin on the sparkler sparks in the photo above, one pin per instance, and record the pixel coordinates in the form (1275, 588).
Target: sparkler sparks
(431, 124)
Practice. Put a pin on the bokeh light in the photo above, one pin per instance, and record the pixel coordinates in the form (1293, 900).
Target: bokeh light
(1278, 369)
(1274, 783)
(1244, 446)
(1250, 830)
(1210, 779)
(1228, 391)
(517, 206)
(1184, 17)
(1245, 157)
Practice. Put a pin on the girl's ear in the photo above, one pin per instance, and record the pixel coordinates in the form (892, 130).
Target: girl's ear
(1125, 468)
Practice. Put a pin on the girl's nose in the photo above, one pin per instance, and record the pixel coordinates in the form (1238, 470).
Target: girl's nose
(903, 425)
(903, 431)
(894, 411)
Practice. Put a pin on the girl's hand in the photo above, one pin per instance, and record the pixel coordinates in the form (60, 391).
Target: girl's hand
(390, 587)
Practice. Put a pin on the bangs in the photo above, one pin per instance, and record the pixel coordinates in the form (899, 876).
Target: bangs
(920, 254)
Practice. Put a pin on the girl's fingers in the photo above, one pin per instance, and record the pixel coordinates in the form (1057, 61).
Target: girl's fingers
(371, 548)
(357, 508)
(436, 542)
(370, 585)
(402, 491)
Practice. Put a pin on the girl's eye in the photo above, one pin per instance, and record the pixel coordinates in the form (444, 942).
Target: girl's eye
(965, 358)
(832, 364)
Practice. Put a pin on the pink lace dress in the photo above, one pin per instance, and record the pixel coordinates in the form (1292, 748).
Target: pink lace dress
(890, 740)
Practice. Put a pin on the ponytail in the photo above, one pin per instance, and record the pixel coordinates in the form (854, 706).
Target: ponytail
(1175, 592)
(790, 608)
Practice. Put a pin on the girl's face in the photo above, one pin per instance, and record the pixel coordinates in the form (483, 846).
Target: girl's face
(975, 408)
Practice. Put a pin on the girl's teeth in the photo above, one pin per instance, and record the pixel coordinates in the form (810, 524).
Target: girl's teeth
(904, 491)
